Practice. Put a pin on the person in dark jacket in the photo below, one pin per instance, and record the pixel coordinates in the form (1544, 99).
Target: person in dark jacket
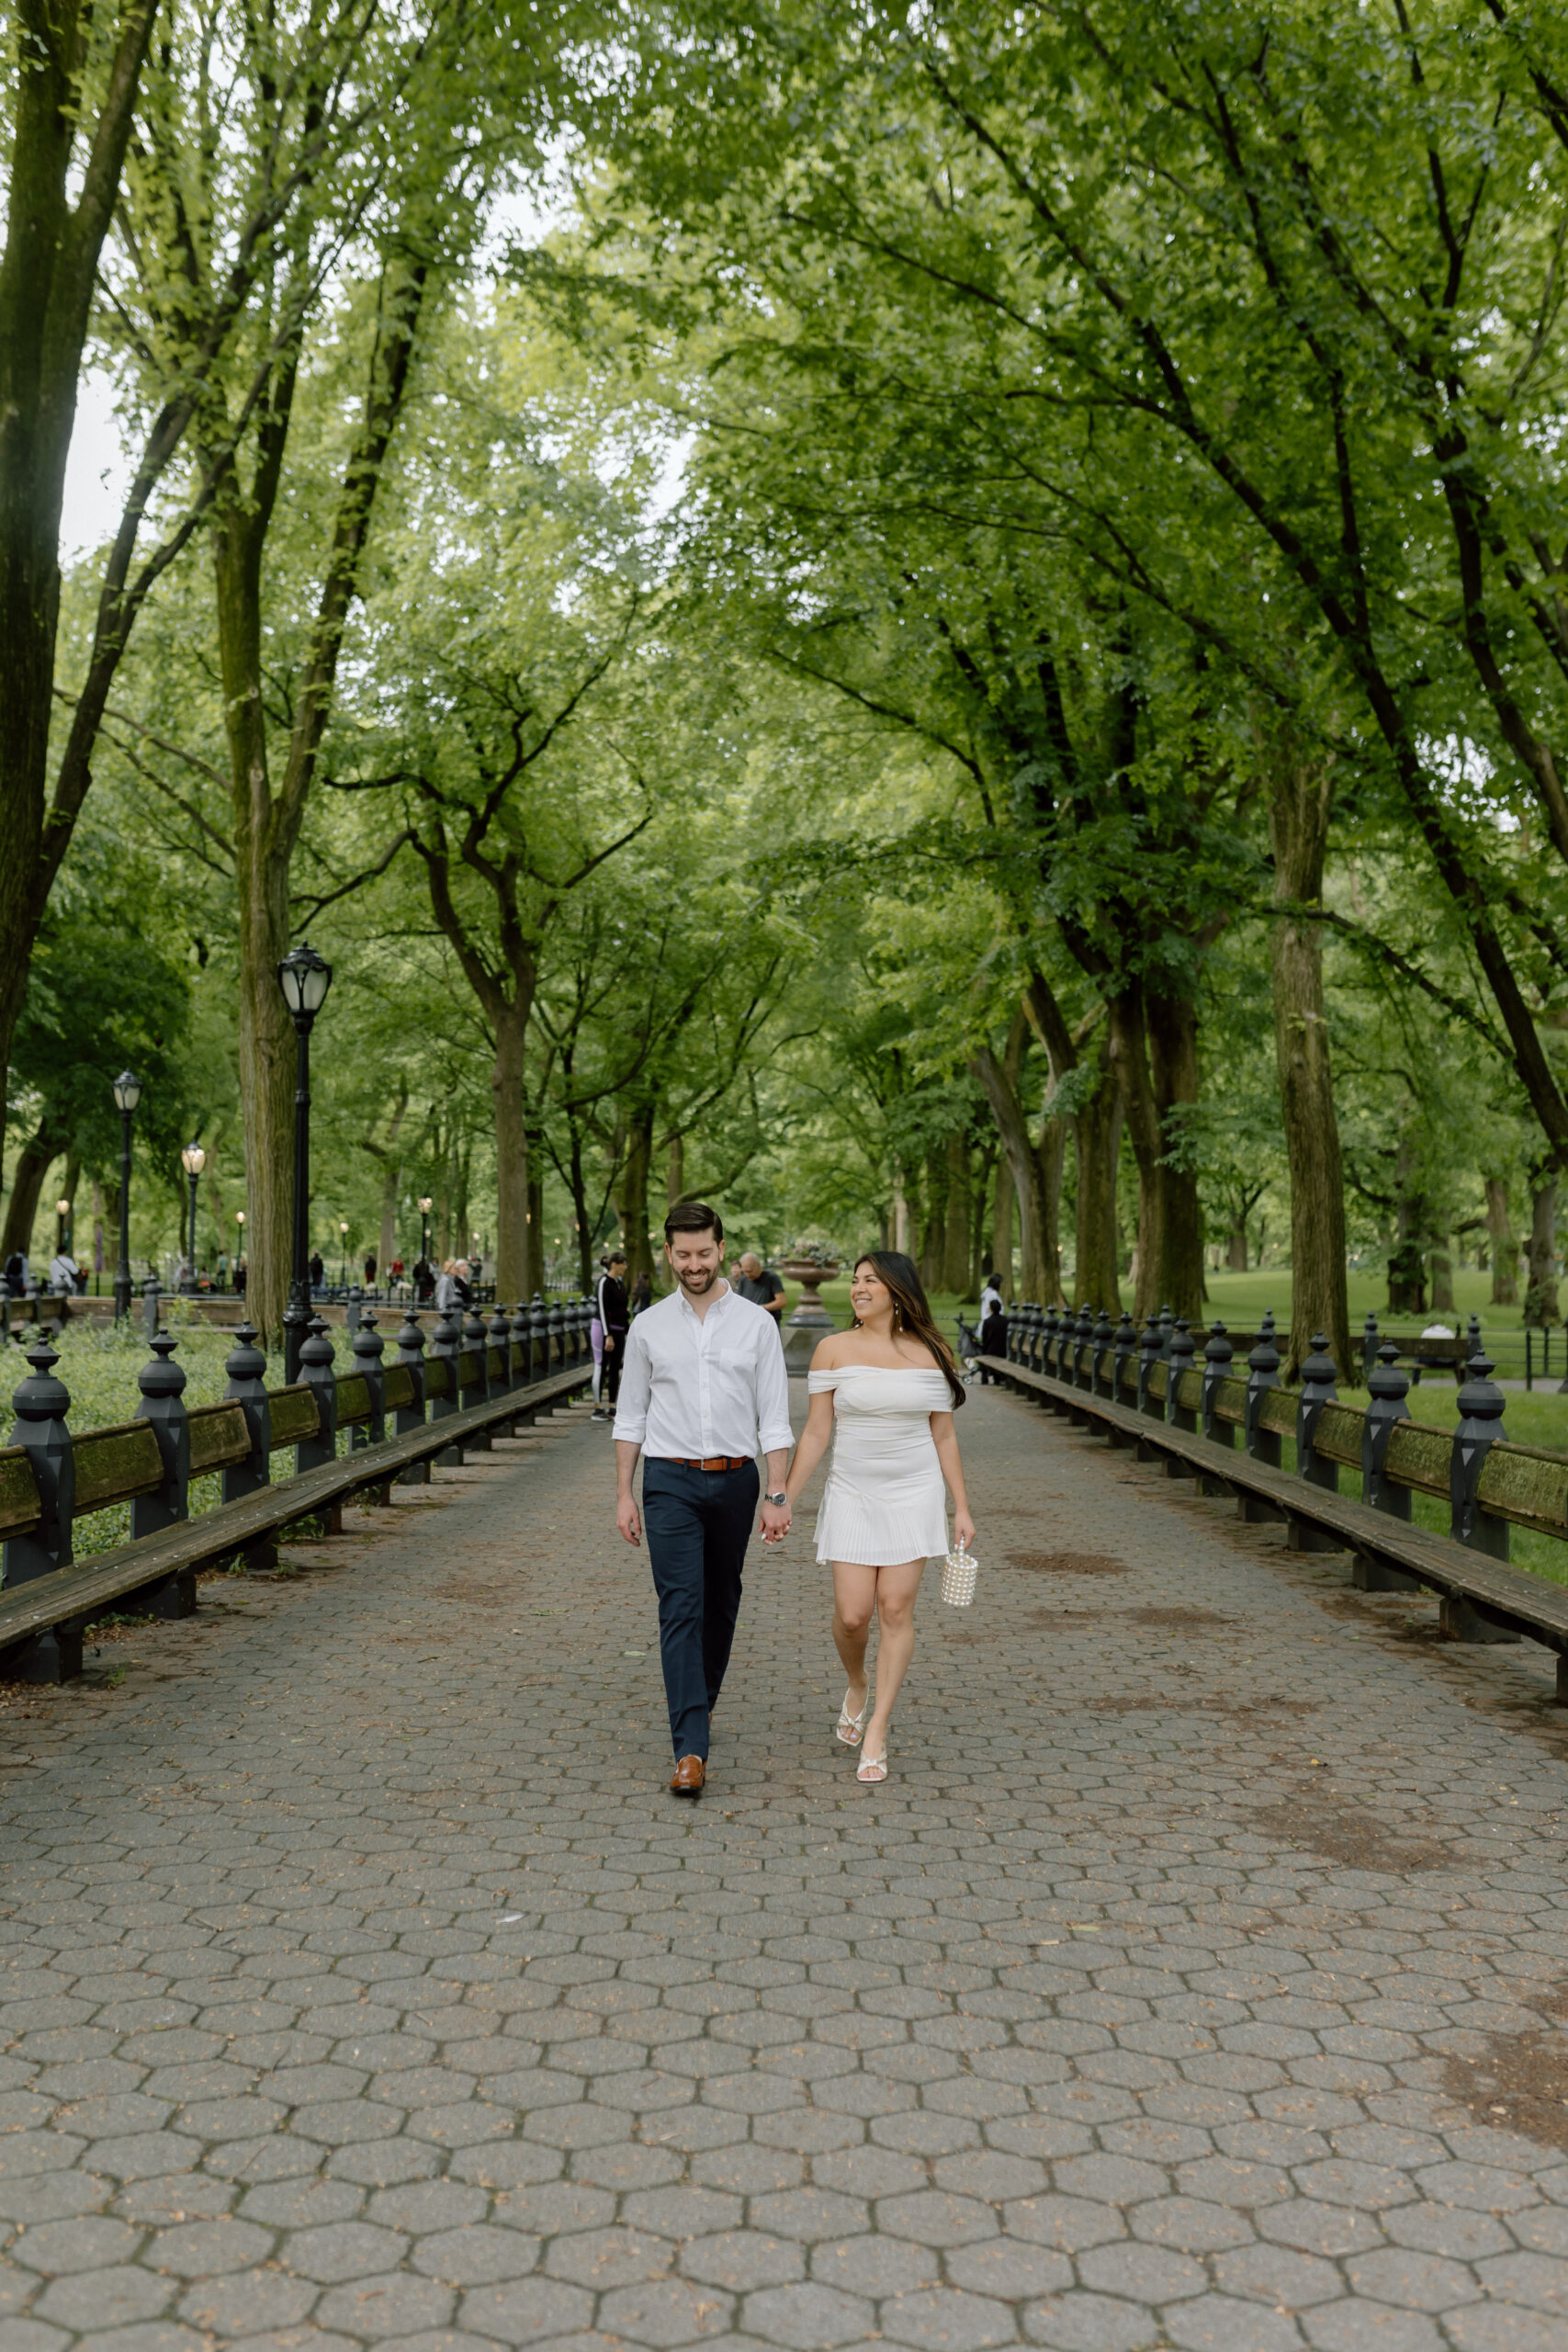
(613, 1314)
(993, 1342)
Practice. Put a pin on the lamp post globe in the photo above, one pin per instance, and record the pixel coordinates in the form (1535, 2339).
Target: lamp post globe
(304, 977)
(193, 1160)
(127, 1095)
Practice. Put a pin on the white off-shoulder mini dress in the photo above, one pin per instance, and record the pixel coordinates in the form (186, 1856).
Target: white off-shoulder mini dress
(886, 1498)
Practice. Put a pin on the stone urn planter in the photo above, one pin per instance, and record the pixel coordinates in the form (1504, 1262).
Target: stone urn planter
(809, 1273)
(803, 1329)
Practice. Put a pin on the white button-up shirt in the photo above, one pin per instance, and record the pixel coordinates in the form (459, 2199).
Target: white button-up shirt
(696, 1385)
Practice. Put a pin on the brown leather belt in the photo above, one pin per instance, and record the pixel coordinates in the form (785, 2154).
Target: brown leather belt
(714, 1462)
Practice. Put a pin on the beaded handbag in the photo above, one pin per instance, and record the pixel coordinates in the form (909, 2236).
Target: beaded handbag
(958, 1573)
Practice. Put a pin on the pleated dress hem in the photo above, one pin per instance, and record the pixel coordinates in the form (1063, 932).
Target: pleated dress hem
(878, 1536)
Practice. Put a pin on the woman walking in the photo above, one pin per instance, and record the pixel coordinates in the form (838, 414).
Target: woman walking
(887, 1390)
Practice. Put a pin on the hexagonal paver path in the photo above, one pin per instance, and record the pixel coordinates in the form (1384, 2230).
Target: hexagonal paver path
(1197, 1980)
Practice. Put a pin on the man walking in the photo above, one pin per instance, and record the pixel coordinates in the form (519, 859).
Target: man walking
(703, 1390)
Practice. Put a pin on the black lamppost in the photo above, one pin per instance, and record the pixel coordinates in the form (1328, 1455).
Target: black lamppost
(193, 1160)
(63, 1225)
(425, 1205)
(127, 1095)
(304, 977)
(239, 1248)
(343, 1261)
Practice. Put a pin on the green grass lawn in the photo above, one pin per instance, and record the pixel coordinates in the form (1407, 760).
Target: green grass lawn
(1241, 1299)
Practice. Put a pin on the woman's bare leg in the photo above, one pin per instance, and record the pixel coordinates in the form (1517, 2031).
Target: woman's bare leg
(854, 1603)
(895, 1590)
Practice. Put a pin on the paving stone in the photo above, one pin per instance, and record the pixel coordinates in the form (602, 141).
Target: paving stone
(395, 2304)
(945, 2319)
(1079, 2033)
(91, 2301)
(246, 2302)
(667, 2312)
(808, 2317)
(88, 2242)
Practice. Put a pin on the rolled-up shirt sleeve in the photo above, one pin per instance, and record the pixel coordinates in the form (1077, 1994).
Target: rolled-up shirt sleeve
(636, 1384)
(773, 1431)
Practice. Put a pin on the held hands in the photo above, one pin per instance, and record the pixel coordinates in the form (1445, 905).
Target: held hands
(962, 1531)
(628, 1520)
(775, 1521)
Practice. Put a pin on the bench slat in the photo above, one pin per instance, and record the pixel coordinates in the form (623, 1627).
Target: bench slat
(77, 1592)
(294, 1416)
(219, 1436)
(18, 1491)
(115, 1464)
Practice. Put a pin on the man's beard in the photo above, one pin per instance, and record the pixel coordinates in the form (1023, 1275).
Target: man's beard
(698, 1282)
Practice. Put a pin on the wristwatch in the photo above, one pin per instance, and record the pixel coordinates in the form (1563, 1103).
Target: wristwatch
(777, 1500)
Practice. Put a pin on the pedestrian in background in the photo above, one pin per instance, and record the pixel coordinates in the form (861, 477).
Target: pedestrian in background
(642, 1293)
(761, 1286)
(993, 1342)
(612, 1315)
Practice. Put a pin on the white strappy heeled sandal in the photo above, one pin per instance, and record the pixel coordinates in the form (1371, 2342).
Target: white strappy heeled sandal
(849, 1727)
(873, 1767)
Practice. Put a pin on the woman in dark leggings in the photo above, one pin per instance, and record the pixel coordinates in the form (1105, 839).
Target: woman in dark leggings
(610, 1308)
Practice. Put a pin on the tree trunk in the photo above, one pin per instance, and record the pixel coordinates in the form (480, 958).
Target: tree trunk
(1173, 1065)
(953, 1272)
(1001, 1224)
(1407, 1259)
(1300, 798)
(268, 1048)
(1540, 1295)
(266, 827)
(675, 1177)
(508, 1090)
(1165, 1276)
(933, 1227)
(1097, 1133)
(62, 179)
(635, 1174)
(34, 1161)
(1036, 1174)
(1505, 1245)
(535, 1278)
(982, 1194)
(1442, 1263)
(1235, 1251)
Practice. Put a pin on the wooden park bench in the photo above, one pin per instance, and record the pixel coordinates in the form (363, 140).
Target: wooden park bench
(484, 1376)
(1203, 1421)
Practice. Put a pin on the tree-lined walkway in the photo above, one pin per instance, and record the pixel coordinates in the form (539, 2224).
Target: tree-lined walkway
(1197, 1979)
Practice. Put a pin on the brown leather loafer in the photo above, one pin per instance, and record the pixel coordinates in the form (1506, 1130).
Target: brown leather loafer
(690, 1774)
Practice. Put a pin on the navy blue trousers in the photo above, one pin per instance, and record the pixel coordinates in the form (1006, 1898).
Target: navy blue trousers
(698, 1524)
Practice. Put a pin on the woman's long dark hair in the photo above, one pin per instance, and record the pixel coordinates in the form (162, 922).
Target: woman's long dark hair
(911, 1310)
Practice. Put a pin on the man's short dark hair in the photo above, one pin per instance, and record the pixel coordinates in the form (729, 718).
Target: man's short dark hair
(693, 1217)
